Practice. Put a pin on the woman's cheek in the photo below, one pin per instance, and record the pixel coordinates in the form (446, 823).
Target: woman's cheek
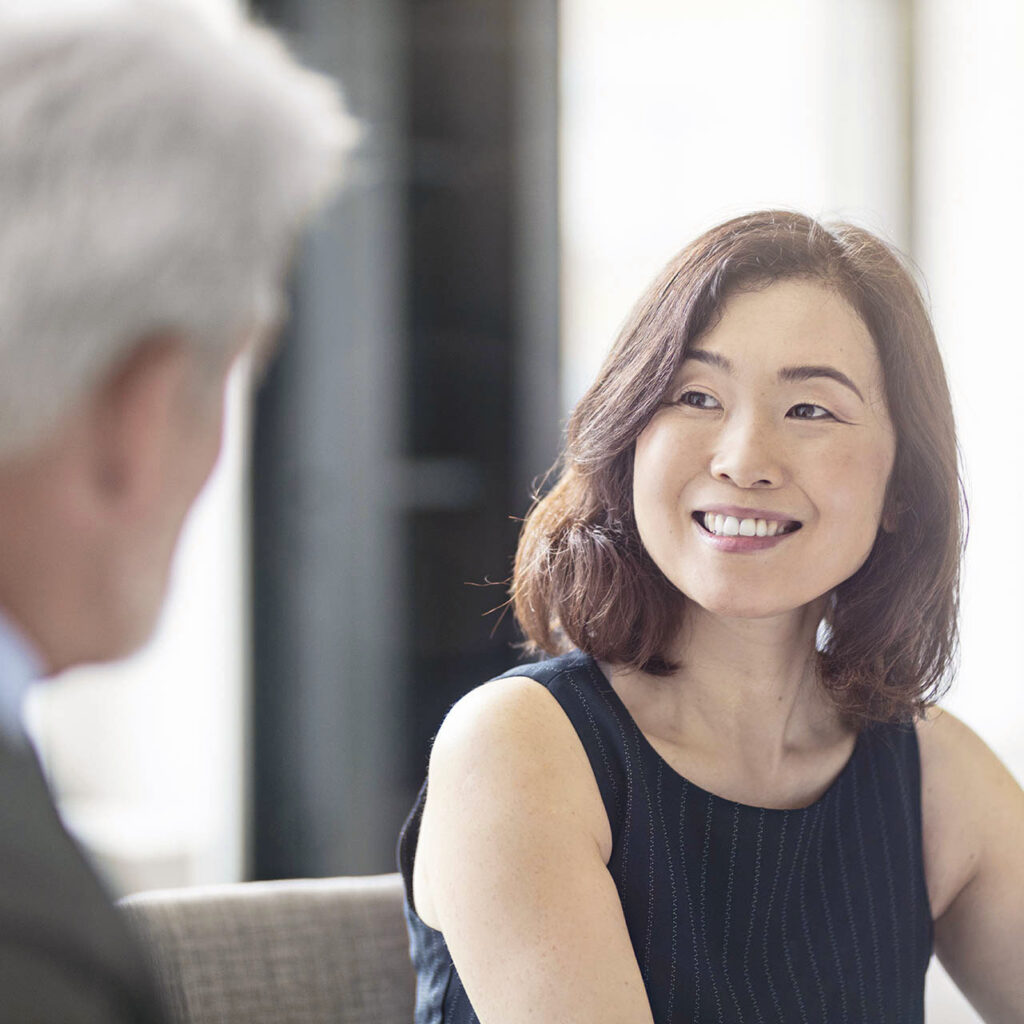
(855, 482)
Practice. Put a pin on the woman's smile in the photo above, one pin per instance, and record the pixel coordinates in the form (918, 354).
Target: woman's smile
(739, 530)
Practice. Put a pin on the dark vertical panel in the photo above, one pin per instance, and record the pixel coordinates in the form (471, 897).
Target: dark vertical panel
(461, 267)
(416, 396)
(328, 586)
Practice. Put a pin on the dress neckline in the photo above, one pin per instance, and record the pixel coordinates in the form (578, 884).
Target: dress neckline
(603, 681)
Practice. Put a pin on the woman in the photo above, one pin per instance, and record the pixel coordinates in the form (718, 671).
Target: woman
(731, 797)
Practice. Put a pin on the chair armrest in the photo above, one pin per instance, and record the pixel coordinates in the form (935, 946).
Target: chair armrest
(333, 950)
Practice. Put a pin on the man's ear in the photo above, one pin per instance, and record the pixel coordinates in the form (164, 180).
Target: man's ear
(134, 416)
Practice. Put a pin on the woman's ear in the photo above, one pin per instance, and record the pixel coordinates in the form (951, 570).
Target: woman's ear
(891, 513)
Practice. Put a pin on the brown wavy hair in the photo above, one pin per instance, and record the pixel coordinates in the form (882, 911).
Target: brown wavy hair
(582, 577)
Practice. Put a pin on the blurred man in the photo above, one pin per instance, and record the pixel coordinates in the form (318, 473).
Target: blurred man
(154, 178)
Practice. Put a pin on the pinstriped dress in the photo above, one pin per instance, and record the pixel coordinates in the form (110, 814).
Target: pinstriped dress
(739, 913)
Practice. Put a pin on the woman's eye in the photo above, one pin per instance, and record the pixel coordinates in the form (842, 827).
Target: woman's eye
(806, 411)
(698, 400)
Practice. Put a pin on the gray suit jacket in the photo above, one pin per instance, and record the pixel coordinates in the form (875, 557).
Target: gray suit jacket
(66, 955)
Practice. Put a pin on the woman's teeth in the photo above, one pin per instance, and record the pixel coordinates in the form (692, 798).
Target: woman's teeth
(731, 526)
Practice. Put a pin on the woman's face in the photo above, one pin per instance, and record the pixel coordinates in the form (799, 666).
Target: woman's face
(758, 486)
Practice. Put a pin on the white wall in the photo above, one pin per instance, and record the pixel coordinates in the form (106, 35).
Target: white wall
(680, 113)
(969, 168)
(677, 114)
(970, 163)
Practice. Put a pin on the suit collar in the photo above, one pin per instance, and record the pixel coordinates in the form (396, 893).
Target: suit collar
(20, 664)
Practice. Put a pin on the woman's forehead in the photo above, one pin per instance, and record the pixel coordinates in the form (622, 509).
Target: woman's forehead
(789, 322)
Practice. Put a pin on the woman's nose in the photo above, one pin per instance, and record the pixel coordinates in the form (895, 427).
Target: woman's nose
(747, 455)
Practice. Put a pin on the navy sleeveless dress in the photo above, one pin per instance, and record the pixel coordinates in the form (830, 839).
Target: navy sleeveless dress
(738, 913)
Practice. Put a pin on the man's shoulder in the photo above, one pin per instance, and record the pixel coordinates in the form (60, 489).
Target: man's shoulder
(46, 884)
(59, 930)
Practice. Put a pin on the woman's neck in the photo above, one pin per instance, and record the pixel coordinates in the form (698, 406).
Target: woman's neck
(747, 689)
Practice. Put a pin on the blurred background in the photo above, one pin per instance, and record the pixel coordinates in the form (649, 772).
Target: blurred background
(529, 166)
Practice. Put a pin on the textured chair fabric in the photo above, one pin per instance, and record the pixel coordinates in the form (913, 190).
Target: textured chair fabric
(314, 951)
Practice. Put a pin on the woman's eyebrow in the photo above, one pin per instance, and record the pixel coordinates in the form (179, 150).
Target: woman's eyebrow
(798, 373)
(702, 355)
(787, 373)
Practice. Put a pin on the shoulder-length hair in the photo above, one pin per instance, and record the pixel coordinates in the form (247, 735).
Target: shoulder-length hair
(582, 576)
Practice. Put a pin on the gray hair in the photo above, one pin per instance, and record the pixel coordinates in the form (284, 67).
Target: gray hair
(155, 173)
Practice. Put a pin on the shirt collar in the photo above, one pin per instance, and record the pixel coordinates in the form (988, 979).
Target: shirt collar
(20, 664)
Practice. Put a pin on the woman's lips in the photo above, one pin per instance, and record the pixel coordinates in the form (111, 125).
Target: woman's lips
(732, 521)
(745, 542)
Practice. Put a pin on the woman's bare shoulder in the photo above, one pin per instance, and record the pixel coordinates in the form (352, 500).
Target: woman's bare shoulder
(508, 715)
(511, 737)
(505, 756)
(509, 725)
(974, 805)
(511, 868)
(963, 784)
(956, 758)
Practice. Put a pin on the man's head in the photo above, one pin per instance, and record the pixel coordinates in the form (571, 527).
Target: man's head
(155, 174)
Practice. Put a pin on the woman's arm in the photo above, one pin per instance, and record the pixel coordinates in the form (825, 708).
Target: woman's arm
(514, 844)
(974, 833)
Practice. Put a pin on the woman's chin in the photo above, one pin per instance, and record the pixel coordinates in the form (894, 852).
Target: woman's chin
(750, 606)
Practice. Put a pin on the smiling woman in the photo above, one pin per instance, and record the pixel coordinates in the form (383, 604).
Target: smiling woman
(847, 306)
(730, 795)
